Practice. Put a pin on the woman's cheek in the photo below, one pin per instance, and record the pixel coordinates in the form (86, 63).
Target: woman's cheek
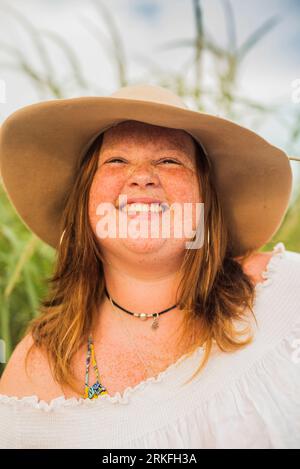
(181, 187)
(103, 190)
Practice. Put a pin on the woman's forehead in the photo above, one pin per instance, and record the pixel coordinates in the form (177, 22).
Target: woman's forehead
(134, 133)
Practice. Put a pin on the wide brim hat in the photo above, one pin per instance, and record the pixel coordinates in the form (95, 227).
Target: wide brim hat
(42, 144)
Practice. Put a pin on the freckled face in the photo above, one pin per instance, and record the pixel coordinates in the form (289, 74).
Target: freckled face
(141, 160)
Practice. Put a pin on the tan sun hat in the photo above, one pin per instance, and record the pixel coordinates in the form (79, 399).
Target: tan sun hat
(42, 144)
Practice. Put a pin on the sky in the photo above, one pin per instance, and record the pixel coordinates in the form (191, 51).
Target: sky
(266, 75)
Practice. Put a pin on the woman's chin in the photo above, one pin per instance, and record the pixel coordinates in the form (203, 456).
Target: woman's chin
(143, 245)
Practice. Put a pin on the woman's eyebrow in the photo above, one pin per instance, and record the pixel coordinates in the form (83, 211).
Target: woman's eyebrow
(181, 149)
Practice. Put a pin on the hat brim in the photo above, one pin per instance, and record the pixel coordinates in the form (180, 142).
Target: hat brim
(42, 144)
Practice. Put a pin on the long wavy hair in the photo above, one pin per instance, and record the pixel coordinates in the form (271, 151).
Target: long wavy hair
(214, 290)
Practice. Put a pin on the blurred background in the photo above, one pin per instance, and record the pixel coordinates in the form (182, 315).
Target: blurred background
(236, 59)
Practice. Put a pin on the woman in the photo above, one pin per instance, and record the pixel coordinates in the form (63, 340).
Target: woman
(216, 364)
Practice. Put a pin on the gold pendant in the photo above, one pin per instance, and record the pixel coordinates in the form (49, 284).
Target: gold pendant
(154, 325)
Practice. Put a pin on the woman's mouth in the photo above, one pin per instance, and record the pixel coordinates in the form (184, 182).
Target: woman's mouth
(137, 208)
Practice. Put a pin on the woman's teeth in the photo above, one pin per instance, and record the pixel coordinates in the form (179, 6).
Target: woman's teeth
(138, 207)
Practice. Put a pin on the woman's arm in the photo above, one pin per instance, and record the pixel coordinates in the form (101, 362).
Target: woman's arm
(36, 380)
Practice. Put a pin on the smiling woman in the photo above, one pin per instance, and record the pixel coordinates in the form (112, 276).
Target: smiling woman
(150, 269)
(186, 372)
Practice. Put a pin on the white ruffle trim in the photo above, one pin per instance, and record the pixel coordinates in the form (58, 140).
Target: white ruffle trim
(277, 254)
(118, 398)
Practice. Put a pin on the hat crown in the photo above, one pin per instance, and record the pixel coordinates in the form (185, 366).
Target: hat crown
(152, 93)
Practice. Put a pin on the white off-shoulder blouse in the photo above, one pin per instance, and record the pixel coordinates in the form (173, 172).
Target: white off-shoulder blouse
(245, 399)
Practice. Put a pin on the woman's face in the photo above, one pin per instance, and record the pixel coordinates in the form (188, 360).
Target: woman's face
(139, 160)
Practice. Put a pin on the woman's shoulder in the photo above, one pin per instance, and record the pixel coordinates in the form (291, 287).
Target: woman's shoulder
(262, 265)
(277, 297)
(290, 273)
(36, 379)
(288, 262)
(256, 265)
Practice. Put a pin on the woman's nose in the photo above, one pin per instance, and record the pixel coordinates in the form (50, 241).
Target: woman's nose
(143, 174)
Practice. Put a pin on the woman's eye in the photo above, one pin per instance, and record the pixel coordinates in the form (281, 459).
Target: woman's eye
(115, 159)
(170, 160)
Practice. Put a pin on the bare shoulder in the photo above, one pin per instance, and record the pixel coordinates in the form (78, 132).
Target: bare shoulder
(37, 379)
(257, 264)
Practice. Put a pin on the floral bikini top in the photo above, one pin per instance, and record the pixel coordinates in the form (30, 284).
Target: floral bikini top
(97, 389)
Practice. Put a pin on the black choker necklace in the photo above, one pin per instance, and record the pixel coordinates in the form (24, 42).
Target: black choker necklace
(142, 316)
